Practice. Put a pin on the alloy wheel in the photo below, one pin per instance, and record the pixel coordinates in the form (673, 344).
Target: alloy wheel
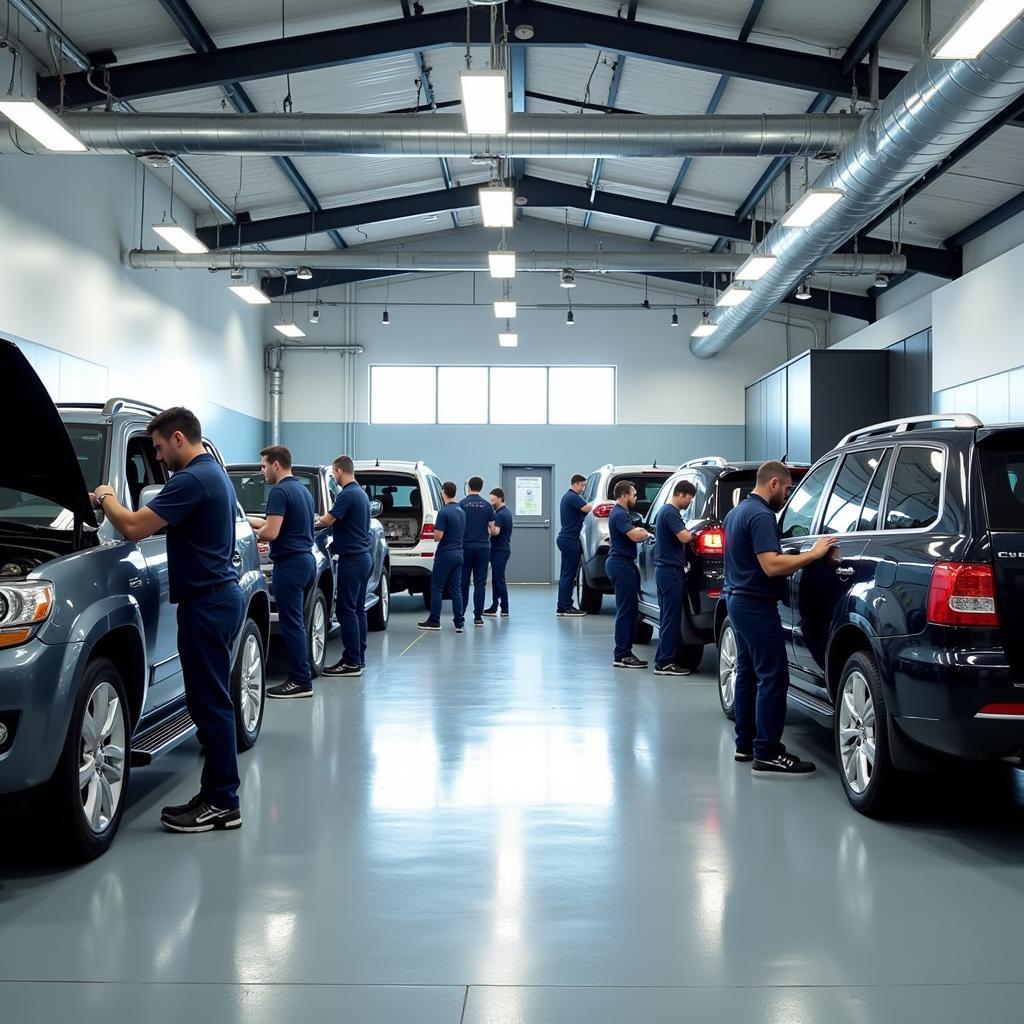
(857, 732)
(318, 632)
(102, 759)
(252, 682)
(727, 667)
(385, 596)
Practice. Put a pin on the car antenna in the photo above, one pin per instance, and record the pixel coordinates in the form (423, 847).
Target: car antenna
(655, 464)
(376, 465)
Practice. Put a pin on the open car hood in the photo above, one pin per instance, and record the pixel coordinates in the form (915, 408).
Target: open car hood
(43, 462)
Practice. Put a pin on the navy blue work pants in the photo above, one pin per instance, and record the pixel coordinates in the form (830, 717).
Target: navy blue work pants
(293, 578)
(499, 588)
(762, 675)
(447, 575)
(350, 606)
(570, 549)
(475, 559)
(671, 583)
(207, 627)
(626, 580)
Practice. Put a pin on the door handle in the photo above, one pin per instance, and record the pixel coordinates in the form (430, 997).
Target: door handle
(844, 572)
(236, 559)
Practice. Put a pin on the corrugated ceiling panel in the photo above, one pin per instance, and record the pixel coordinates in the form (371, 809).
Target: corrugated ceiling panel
(655, 88)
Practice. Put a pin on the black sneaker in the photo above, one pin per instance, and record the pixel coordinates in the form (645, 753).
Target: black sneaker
(743, 756)
(630, 661)
(427, 624)
(478, 622)
(289, 691)
(176, 809)
(671, 670)
(491, 613)
(783, 766)
(203, 817)
(574, 613)
(458, 629)
(349, 670)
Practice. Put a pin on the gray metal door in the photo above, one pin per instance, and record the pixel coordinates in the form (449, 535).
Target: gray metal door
(528, 494)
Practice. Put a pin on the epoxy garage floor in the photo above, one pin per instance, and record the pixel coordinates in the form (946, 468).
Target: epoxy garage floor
(498, 827)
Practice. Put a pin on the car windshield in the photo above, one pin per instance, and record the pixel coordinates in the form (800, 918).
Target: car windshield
(1002, 470)
(253, 491)
(26, 509)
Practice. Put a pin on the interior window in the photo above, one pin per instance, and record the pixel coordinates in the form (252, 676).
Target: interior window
(842, 513)
(873, 500)
(915, 492)
(798, 517)
(141, 468)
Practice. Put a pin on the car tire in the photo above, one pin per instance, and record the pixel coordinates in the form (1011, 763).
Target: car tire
(861, 733)
(377, 617)
(644, 632)
(690, 656)
(317, 627)
(727, 670)
(589, 598)
(82, 820)
(249, 685)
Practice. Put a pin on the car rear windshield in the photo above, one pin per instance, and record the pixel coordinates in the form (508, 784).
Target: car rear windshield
(647, 486)
(1002, 474)
(253, 491)
(735, 486)
(397, 492)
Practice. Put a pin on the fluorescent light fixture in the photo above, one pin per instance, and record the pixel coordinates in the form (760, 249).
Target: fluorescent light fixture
(498, 206)
(485, 102)
(502, 263)
(734, 295)
(976, 28)
(507, 339)
(250, 293)
(45, 127)
(290, 330)
(703, 329)
(755, 268)
(505, 309)
(179, 238)
(812, 205)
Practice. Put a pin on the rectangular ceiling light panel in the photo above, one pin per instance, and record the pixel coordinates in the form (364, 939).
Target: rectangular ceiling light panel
(485, 102)
(45, 127)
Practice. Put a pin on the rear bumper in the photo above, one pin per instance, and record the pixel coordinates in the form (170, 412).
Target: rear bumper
(595, 571)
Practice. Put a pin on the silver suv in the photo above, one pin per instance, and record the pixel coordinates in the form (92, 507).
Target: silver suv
(593, 581)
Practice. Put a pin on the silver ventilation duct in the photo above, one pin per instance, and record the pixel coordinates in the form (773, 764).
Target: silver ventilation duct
(936, 107)
(401, 260)
(530, 135)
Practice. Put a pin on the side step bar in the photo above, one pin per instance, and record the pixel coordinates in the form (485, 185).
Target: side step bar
(147, 746)
(812, 705)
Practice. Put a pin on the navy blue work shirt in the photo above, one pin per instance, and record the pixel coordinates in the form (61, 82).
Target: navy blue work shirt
(451, 520)
(351, 530)
(503, 520)
(619, 524)
(199, 506)
(291, 499)
(751, 529)
(570, 516)
(479, 514)
(669, 551)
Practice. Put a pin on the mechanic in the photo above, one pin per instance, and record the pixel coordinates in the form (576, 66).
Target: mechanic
(501, 552)
(671, 539)
(449, 530)
(754, 570)
(621, 567)
(476, 546)
(570, 513)
(350, 519)
(288, 527)
(197, 507)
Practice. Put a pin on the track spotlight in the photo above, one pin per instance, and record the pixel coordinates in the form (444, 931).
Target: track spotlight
(803, 293)
(881, 281)
(304, 274)
(385, 319)
(675, 319)
(570, 319)
(314, 316)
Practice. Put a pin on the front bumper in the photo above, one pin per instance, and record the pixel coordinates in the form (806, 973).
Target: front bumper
(37, 692)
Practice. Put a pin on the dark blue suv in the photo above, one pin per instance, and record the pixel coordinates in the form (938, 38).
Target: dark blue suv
(908, 643)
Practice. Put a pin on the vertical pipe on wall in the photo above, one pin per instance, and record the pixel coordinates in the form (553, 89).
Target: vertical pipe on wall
(275, 374)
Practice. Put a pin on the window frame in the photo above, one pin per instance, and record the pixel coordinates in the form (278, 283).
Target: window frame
(826, 491)
(847, 456)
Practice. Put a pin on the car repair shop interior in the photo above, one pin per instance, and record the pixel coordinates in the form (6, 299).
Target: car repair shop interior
(718, 306)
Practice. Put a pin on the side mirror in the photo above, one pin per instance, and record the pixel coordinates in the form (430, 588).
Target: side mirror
(148, 494)
(636, 518)
(376, 508)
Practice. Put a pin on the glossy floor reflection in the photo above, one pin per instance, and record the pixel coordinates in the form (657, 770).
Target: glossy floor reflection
(499, 827)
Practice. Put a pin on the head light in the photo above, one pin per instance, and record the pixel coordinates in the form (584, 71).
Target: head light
(24, 606)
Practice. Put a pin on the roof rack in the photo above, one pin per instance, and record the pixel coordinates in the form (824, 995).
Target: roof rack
(116, 405)
(708, 460)
(960, 420)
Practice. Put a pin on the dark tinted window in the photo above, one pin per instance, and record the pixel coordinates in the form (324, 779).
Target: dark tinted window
(735, 486)
(842, 513)
(873, 501)
(647, 487)
(914, 495)
(1002, 470)
(396, 492)
(798, 519)
(252, 490)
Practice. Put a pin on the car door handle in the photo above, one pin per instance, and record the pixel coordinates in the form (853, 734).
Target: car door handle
(844, 572)
(236, 559)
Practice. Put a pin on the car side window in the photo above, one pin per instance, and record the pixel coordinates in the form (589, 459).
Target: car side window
(590, 490)
(141, 468)
(873, 499)
(661, 497)
(842, 512)
(916, 489)
(435, 492)
(798, 517)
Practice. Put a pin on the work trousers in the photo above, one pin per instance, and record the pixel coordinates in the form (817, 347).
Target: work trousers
(626, 580)
(447, 575)
(207, 627)
(475, 559)
(350, 607)
(499, 588)
(762, 675)
(570, 549)
(293, 578)
(671, 583)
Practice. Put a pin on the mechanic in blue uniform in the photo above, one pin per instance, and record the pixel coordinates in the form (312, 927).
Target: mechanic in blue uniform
(623, 537)
(350, 519)
(754, 570)
(288, 527)
(501, 552)
(670, 546)
(571, 511)
(476, 546)
(197, 507)
(449, 530)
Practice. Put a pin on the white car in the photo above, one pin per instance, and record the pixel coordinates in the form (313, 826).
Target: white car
(410, 493)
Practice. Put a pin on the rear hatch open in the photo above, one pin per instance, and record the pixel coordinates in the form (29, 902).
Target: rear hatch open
(402, 505)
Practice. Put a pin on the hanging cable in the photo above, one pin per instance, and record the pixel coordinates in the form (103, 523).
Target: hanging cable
(287, 102)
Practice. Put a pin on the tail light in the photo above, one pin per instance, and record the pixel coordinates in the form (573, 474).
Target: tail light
(427, 533)
(962, 594)
(604, 510)
(710, 542)
(263, 547)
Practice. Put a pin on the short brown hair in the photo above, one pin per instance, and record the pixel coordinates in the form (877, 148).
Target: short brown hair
(449, 489)
(498, 493)
(344, 464)
(176, 420)
(577, 479)
(683, 487)
(773, 470)
(623, 487)
(277, 453)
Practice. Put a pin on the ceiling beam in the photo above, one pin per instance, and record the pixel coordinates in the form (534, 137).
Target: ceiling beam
(984, 224)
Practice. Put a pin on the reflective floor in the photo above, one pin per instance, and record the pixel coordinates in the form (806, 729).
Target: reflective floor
(499, 827)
